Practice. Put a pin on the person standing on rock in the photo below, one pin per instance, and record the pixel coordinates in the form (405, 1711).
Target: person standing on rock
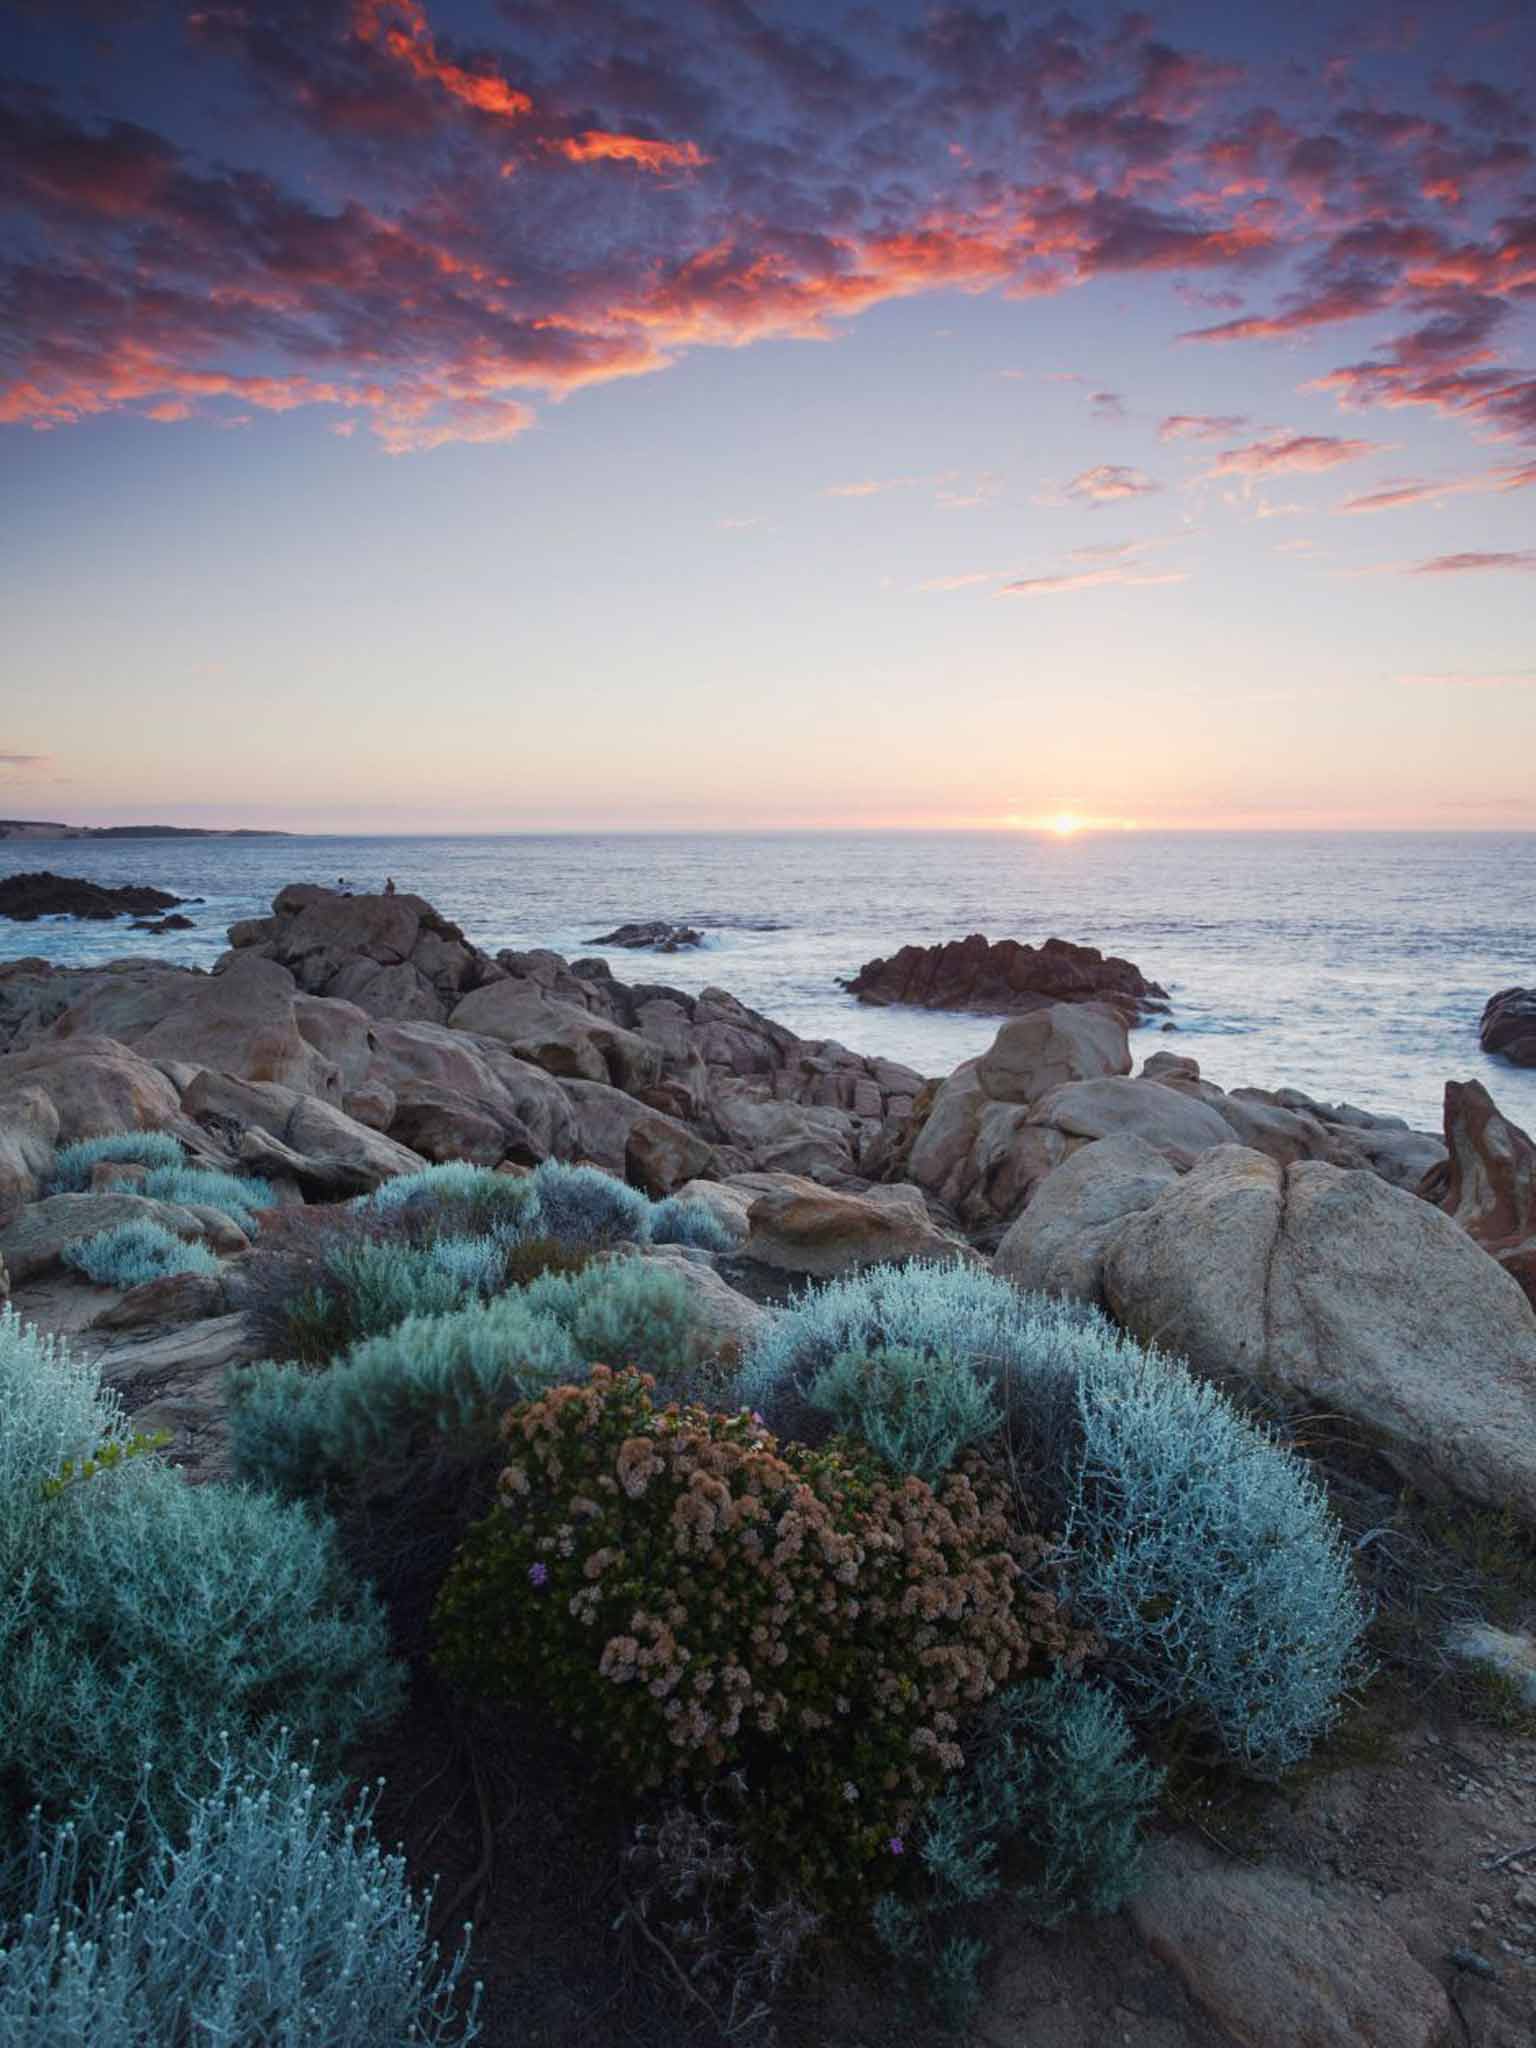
(389, 885)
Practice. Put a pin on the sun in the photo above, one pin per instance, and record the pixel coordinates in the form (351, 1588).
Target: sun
(1064, 824)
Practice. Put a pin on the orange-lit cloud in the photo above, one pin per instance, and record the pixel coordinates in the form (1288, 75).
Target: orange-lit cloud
(1089, 579)
(401, 27)
(596, 145)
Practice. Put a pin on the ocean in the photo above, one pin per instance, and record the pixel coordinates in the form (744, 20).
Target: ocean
(1351, 965)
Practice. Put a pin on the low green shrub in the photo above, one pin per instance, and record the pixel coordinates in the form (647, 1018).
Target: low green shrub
(141, 1616)
(621, 1311)
(269, 1919)
(692, 1599)
(74, 1164)
(917, 1413)
(242, 1200)
(1048, 1811)
(131, 1253)
(678, 1221)
(459, 1200)
(1200, 1548)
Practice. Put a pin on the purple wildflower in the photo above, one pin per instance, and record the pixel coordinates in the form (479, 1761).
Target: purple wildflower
(538, 1575)
(898, 1846)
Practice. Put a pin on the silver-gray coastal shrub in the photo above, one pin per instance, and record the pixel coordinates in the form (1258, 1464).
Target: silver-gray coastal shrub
(459, 1199)
(1199, 1547)
(620, 1311)
(140, 1616)
(582, 1205)
(431, 1377)
(270, 1918)
(131, 1253)
(74, 1164)
(676, 1220)
(241, 1198)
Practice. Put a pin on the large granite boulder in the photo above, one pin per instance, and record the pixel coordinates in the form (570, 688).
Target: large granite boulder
(277, 1130)
(726, 1325)
(569, 1042)
(978, 974)
(1326, 1286)
(35, 1241)
(1283, 1961)
(95, 1086)
(644, 1145)
(1057, 1245)
(1050, 1047)
(29, 1128)
(1488, 1182)
(1508, 1026)
(430, 1073)
(802, 1227)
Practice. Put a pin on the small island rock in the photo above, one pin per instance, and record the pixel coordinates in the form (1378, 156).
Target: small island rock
(993, 977)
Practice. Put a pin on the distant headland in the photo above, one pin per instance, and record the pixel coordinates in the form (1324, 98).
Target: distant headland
(38, 828)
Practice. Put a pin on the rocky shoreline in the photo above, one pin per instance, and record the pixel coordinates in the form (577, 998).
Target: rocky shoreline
(1323, 1260)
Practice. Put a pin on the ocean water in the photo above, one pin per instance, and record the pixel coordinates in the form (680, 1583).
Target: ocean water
(1351, 965)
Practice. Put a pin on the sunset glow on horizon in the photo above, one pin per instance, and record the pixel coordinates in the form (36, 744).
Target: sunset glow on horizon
(476, 415)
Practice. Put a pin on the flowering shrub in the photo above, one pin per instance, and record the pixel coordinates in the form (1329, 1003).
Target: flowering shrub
(1200, 1548)
(132, 1253)
(692, 1598)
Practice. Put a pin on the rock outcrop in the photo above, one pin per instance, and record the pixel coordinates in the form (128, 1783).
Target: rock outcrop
(36, 1240)
(1057, 1245)
(24, 898)
(1279, 1962)
(1508, 1026)
(657, 936)
(801, 1227)
(1057, 1079)
(1002, 975)
(1330, 1288)
(1488, 1182)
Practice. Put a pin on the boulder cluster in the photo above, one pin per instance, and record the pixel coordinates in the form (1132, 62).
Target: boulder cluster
(1327, 1256)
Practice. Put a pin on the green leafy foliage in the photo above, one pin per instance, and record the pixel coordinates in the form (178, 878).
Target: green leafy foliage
(131, 1253)
(269, 1918)
(691, 1598)
(140, 1616)
(1048, 1811)
(916, 1412)
(74, 1164)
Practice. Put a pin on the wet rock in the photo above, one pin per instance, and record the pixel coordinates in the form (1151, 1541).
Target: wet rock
(657, 936)
(1508, 1026)
(24, 898)
(979, 974)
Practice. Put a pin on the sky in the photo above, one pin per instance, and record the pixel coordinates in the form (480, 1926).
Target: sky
(481, 415)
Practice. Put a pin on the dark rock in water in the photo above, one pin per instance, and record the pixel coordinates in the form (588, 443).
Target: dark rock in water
(173, 923)
(1509, 1026)
(657, 936)
(26, 897)
(975, 974)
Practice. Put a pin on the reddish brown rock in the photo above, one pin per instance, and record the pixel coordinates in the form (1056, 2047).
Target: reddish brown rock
(978, 974)
(1489, 1181)
(1508, 1026)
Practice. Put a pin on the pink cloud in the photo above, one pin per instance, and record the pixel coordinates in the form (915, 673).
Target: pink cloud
(1088, 579)
(1473, 560)
(1200, 426)
(1286, 453)
(1108, 482)
(1511, 680)
(1394, 496)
